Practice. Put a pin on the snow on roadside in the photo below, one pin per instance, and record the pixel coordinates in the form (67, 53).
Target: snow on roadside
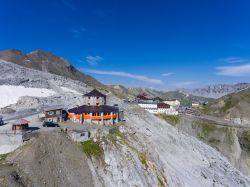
(10, 94)
(70, 90)
(9, 142)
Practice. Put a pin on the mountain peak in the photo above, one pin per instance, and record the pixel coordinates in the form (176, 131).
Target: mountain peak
(44, 61)
(40, 51)
(47, 57)
(217, 90)
(10, 52)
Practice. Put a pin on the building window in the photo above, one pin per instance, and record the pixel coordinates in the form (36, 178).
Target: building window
(97, 97)
(58, 112)
(82, 134)
(97, 104)
(50, 112)
(89, 104)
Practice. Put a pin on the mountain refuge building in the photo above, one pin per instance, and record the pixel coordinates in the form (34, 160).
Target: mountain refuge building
(54, 114)
(20, 124)
(94, 110)
(155, 105)
(173, 102)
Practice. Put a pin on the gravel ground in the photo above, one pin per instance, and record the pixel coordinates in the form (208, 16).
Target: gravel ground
(51, 159)
(9, 177)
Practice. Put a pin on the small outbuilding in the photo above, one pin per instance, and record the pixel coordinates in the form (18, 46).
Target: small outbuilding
(79, 135)
(195, 105)
(21, 124)
(54, 114)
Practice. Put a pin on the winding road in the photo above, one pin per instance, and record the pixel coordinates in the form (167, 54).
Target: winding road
(218, 121)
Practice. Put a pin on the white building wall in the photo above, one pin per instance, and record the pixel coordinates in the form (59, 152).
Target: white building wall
(152, 108)
(195, 105)
(148, 105)
(174, 103)
(93, 100)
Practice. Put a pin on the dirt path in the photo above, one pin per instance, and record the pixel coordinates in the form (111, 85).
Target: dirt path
(218, 121)
(52, 159)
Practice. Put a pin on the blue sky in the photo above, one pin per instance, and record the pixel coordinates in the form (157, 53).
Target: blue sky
(162, 44)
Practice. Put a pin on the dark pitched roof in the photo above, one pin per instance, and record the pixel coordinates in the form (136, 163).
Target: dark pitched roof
(52, 108)
(94, 109)
(163, 105)
(95, 93)
(21, 122)
(143, 96)
(158, 98)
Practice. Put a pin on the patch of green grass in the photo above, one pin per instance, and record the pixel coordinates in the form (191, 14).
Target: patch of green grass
(3, 181)
(208, 131)
(160, 182)
(205, 109)
(229, 139)
(245, 140)
(117, 135)
(213, 141)
(3, 157)
(92, 149)
(142, 158)
(172, 119)
(227, 105)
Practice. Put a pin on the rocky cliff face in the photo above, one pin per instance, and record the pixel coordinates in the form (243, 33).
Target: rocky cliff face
(47, 62)
(15, 75)
(150, 152)
(146, 151)
(233, 143)
(216, 91)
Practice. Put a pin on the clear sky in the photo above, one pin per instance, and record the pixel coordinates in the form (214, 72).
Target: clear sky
(163, 44)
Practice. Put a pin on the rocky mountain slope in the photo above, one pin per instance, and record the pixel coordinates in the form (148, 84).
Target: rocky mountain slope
(47, 62)
(235, 106)
(14, 78)
(130, 93)
(174, 157)
(232, 142)
(51, 159)
(146, 152)
(216, 91)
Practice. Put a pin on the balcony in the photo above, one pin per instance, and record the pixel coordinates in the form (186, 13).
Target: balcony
(88, 117)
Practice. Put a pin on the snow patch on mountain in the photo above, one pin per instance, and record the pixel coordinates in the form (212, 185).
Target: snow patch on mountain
(70, 90)
(11, 94)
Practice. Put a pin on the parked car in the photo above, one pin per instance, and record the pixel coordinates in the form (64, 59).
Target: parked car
(50, 124)
(27, 135)
(1, 120)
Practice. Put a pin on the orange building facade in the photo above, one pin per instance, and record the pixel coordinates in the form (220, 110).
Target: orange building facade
(94, 110)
